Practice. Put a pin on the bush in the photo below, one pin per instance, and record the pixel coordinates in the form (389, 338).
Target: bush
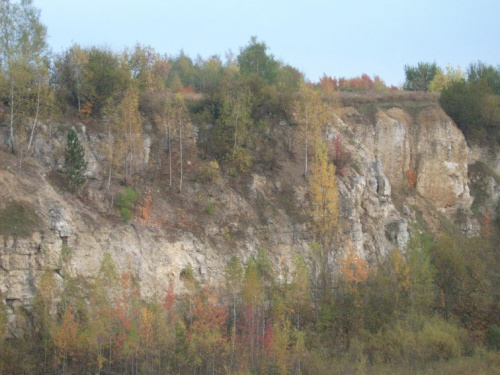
(415, 342)
(125, 202)
(241, 160)
(210, 171)
(471, 106)
(493, 336)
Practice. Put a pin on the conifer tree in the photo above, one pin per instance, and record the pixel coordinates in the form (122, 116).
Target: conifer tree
(75, 164)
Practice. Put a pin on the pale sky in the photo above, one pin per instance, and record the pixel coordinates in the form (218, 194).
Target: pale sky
(336, 37)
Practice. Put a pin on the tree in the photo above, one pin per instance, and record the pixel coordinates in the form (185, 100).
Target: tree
(182, 125)
(253, 59)
(482, 72)
(131, 137)
(149, 69)
(124, 146)
(105, 76)
(23, 52)
(419, 77)
(324, 194)
(3, 329)
(75, 163)
(234, 280)
(299, 296)
(310, 115)
(66, 339)
(69, 74)
(207, 333)
(101, 326)
(472, 108)
(443, 80)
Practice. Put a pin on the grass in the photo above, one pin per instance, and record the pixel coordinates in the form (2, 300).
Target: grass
(19, 219)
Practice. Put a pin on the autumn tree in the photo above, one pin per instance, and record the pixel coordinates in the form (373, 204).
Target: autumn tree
(149, 68)
(444, 79)
(207, 332)
(101, 329)
(310, 115)
(234, 283)
(178, 117)
(324, 194)
(253, 296)
(299, 297)
(125, 129)
(66, 339)
(354, 269)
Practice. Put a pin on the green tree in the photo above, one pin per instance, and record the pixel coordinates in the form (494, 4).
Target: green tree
(480, 71)
(253, 59)
(299, 295)
(105, 76)
(419, 77)
(75, 163)
(473, 109)
(68, 75)
(23, 52)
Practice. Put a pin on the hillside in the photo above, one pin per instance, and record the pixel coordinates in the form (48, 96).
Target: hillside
(405, 172)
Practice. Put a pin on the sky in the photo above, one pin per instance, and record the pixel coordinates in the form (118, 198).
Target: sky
(342, 38)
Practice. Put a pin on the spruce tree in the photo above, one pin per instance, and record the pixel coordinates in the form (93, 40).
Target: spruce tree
(75, 163)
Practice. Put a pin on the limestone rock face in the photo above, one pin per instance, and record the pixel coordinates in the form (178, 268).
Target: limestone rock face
(432, 147)
(264, 210)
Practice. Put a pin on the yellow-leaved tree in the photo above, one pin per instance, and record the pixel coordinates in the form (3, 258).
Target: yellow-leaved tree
(324, 194)
(311, 114)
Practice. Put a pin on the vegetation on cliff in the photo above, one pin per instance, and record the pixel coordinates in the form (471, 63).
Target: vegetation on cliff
(433, 307)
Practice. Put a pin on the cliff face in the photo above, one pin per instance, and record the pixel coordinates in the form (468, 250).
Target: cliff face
(268, 209)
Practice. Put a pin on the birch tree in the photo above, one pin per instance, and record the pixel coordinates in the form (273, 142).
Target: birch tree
(23, 52)
(310, 115)
(324, 194)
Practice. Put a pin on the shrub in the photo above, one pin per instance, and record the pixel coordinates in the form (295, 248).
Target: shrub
(210, 209)
(412, 177)
(493, 336)
(416, 342)
(125, 202)
(210, 171)
(241, 160)
(341, 158)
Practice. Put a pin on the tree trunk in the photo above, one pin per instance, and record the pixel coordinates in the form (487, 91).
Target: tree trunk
(36, 118)
(169, 158)
(12, 142)
(180, 147)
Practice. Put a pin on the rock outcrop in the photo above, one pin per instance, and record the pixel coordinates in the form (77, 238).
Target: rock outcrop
(265, 211)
